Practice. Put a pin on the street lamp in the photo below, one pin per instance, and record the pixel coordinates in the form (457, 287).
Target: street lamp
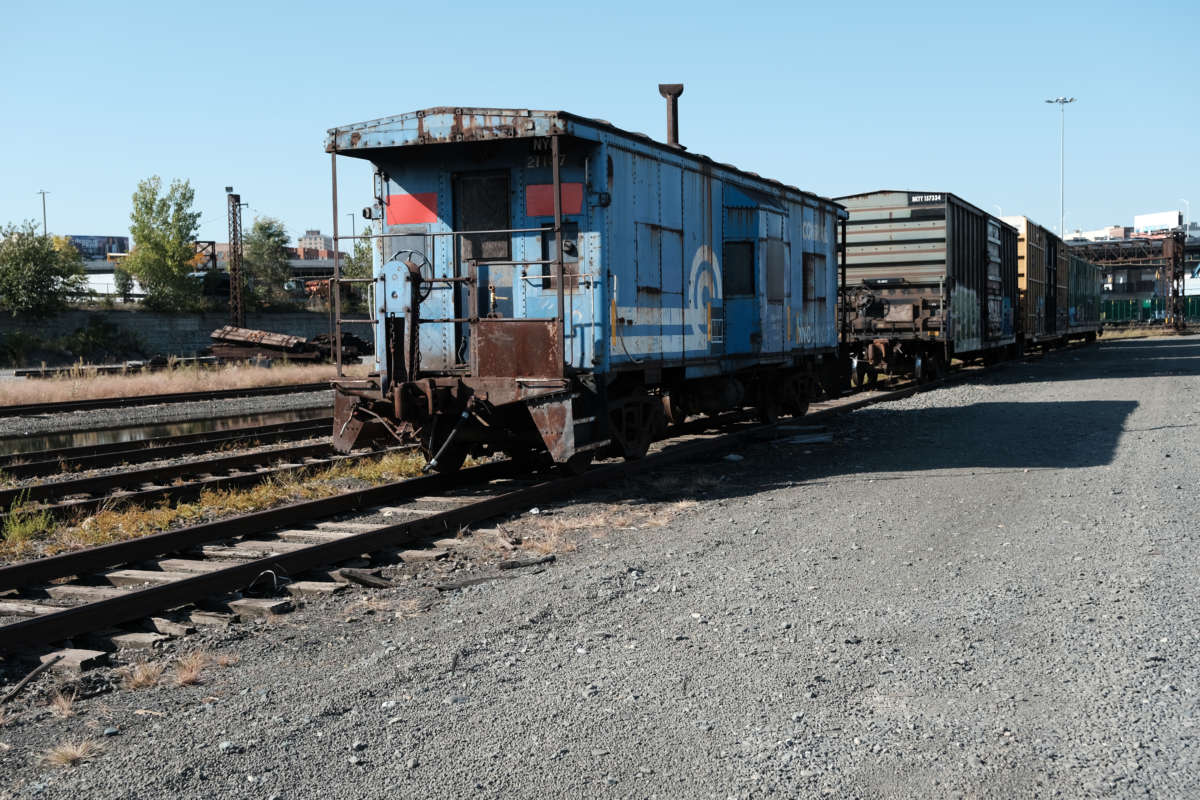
(1062, 131)
(43, 193)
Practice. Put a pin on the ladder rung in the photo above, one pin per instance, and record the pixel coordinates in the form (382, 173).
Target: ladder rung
(361, 321)
(353, 280)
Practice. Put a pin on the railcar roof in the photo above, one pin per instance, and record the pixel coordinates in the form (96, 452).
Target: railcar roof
(446, 124)
(969, 204)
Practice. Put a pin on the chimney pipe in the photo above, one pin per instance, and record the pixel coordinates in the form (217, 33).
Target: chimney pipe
(671, 91)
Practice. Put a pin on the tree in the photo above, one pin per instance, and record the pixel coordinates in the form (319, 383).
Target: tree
(123, 283)
(359, 264)
(39, 274)
(164, 233)
(265, 260)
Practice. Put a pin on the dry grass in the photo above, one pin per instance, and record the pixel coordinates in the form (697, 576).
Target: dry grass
(61, 705)
(189, 667)
(6, 717)
(1133, 332)
(68, 754)
(141, 676)
(82, 383)
(226, 660)
(118, 524)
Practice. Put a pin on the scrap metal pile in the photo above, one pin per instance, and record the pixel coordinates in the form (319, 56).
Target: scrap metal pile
(231, 343)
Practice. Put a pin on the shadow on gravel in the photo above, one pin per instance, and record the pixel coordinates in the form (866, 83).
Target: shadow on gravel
(1132, 358)
(984, 436)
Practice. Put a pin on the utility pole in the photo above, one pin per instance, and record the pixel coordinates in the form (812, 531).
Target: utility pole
(237, 314)
(1062, 134)
(43, 193)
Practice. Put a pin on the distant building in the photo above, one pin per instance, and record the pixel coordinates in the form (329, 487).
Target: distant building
(1102, 234)
(1158, 221)
(313, 240)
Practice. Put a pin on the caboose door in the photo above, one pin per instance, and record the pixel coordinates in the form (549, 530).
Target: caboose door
(482, 203)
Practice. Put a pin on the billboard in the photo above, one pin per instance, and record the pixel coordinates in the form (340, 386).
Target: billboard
(1159, 221)
(95, 248)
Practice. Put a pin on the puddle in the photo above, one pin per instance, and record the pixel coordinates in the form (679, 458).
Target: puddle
(23, 443)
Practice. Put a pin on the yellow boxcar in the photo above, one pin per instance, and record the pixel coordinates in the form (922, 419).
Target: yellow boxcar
(1043, 276)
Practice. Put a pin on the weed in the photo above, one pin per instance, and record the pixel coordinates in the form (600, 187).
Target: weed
(188, 668)
(61, 705)
(226, 660)
(81, 382)
(23, 525)
(141, 676)
(68, 754)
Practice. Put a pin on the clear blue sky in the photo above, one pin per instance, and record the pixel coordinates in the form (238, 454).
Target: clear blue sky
(836, 99)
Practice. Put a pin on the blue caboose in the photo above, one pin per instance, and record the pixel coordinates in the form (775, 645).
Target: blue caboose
(545, 282)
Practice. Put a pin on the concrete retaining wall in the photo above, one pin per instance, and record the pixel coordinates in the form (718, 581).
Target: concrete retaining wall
(177, 334)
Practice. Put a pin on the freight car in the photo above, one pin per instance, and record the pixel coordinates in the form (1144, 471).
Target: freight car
(549, 283)
(929, 277)
(1084, 285)
(1043, 276)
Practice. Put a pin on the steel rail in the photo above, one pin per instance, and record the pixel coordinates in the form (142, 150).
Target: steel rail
(130, 445)
(141, 455)
(37, 409)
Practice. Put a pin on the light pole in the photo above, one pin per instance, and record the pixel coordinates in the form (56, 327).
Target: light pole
(1187, 215)
(43, 193)
(353, 233)
(1062, 132)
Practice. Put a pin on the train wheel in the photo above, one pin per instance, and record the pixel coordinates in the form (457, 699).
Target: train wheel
(633, 422)
(922, 367)
(578, 463)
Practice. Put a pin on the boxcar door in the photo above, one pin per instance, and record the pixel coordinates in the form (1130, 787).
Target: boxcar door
(1051, 284)
(743, 309)
(482, 203)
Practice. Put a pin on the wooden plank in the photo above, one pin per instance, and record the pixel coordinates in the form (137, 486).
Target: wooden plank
(76, 661)
(302, 535)
(192, 565)
(82, 594)
(348, 526)
(21, 608)
(260, 607)
(141, 577)
(315, 588)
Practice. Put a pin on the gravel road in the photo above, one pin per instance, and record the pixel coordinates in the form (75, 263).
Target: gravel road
(988, 590)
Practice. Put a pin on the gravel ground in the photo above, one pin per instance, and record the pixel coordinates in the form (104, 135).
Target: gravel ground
(988, 590)
(164, 412)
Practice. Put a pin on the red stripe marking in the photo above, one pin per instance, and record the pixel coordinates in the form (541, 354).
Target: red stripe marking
(539, 199)
(412, 209)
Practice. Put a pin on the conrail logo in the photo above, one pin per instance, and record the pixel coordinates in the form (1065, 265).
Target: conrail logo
(926, 198)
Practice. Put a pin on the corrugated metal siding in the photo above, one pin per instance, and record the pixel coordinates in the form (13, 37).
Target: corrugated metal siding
(937, 243)
(1043, 274)
(1084, 291)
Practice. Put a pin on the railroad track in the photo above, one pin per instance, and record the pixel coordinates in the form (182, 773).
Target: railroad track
(78, 459)
(158, 483)
(58, 598)
(40, 409)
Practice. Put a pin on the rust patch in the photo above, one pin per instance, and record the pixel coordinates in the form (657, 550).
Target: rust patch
(517, 348)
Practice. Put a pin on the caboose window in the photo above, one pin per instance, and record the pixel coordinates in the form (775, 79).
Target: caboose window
(814, 276)
(482, 204)
(739, 268)
(776, 267)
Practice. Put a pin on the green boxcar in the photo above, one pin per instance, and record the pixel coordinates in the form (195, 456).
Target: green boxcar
(1083, 295)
